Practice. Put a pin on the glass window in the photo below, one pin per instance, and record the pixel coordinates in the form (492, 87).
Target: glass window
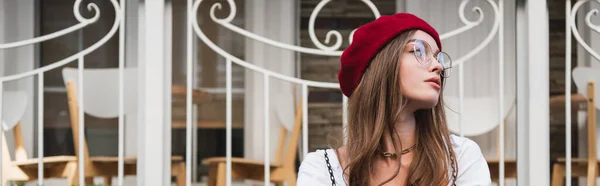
(209, 77)
(101, 134)
(325, 105)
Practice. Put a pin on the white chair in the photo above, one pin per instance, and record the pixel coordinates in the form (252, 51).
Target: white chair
(100, 98)
(582, 76)
(22, 168)
(283, 168)
(480, 116)
(585, 78)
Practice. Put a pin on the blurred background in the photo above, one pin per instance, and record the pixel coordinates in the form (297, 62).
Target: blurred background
(507, 91)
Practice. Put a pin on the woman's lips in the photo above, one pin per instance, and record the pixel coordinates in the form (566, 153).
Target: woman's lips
(434, 81)
(434, 85)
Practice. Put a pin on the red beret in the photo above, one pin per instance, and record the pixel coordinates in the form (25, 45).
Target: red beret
(369, 39)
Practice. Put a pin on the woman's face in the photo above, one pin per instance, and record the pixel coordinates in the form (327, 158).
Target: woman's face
(420, 79)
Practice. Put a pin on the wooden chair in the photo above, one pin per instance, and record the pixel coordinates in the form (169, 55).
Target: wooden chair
(479, 121)
(99, 83)
(282, 170)
(23, 168)
(583, 167)
(510, 165)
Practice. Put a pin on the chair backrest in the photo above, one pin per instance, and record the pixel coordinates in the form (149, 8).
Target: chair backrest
(581, 76)
(480, 114)
(14, 104)
(100, 96)
(587, 79)
(74, 117)
(290, 129)
(101, 90)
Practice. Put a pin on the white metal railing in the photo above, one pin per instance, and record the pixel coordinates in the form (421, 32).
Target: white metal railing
(327, 51)
(193, 27)
(118, 24)
(267, 75)
(571, 29)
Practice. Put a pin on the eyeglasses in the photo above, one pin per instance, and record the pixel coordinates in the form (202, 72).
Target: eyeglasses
(424, 54)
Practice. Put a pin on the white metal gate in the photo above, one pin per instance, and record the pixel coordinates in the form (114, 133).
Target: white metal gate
(584, 76)
(328, 48)
(334, 50)
(118, 25)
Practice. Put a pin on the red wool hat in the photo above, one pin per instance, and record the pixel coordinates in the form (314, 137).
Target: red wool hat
(372, 37)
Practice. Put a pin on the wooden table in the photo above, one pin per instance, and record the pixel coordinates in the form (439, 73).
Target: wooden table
(179, 95)
(198, 97)
(557, 103)
(201, 124)
(178, 100)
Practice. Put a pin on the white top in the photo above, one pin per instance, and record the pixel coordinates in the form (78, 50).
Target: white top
(472, 167)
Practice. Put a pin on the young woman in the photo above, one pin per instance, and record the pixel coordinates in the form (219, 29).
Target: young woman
(393, 74)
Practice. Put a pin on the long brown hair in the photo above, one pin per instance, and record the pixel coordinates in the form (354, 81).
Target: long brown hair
(374, 108)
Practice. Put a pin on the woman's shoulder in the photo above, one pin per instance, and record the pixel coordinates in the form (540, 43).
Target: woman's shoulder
(462, 145)
(316, 157)
(314, 168)
(465, 149)
(472, 166)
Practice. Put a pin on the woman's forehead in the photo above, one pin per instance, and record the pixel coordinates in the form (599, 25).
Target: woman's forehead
(427, 38)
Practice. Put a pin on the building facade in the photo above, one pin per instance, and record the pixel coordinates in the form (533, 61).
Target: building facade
(510, 75)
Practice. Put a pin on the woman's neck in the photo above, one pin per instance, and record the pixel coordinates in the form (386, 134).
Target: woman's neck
(405, 131)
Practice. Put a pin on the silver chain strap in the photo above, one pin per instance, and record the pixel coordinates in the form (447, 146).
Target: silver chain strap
(333, 178)
(329, 168)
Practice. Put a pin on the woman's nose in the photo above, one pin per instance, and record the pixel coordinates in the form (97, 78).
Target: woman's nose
(435, 66)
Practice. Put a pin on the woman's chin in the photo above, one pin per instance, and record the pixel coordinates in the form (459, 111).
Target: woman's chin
(429, 104)
(425, 102)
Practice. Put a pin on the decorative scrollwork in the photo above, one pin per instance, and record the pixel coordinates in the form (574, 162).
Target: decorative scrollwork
(83, 22)
(320, 50)
(313, 37)
(333, 50)
(588, 21)
(468, 24)
(471, 24)
(92, 7)
(238, 61)
(229, 18)
(337, 34)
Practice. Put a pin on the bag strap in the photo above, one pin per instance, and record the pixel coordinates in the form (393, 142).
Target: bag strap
(330, 170)
(333, 178)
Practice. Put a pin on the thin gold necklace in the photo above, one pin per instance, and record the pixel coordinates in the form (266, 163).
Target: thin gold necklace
(403, 152)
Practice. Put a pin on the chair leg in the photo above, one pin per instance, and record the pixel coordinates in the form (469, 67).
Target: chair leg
(181, 174)
(107, 180)
(558, 175)
(72, 174)
(73, 177)
(212, 175)
(291, 181)
(89, 181)
(221, 174)
(591, 174)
